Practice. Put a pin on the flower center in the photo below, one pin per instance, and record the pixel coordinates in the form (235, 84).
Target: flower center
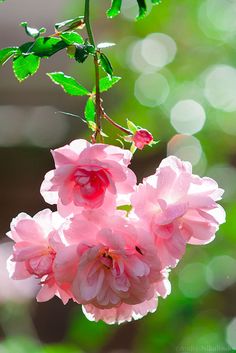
(91, 183)
(106, 259)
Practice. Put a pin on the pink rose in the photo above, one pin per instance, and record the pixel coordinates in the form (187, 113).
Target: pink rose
(141, 138)
(88, 176)
(125, 312)
(178, 208)
(36, 245)
(117, 263)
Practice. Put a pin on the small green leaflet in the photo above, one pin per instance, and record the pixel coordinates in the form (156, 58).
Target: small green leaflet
(142, 9)
(106, 83)
(25, 66)
(32, 32)
(114, 9)
(131, 126)
(106, 65)
(69, 24)
(71, 38)
(89, 111)
(7, 53)
(68, 83)
(82, 51)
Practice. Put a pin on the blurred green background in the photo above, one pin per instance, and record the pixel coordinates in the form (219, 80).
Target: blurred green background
(178, 69)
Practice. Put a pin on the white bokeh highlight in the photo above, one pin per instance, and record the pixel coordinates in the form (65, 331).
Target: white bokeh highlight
(188, 116)
(185, 147)
(151, 90)
(231, 334)
(220, 87)
(151, 53)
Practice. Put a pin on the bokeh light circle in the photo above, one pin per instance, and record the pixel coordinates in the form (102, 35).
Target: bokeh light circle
(188, 116)
(221, 272)
(185, 147)
(151, 53)
(192, 280)
(231, 334)
(220, 87)
(151, 90)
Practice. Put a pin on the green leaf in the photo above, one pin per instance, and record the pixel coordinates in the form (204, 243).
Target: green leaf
(46, 47)
(156, 2)
(7, 53)
(71, 51)
(106, 65)
(32, 32)
(114, 9)
(106, 83)
(71, 38)
(69, 24)
(90, 111)
(131, 126)
(105, 45)
(25, 66)
(68, 83)
(81, 53)
(43, 47)
(142, 9)
(90, 48)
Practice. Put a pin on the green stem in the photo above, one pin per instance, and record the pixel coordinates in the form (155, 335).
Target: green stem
(96, 66)
(87, 22)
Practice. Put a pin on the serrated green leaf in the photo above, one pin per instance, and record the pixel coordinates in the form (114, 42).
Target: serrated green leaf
(69, 24)
(43, 47)
(47, 46)
(71, 38)
(90, 111)
(106, 65)
(32, 32)
(25, 66)
(105, 45)
(106, 83)
(7, 53)
(68, 83)
(142, 9)
(114, 9)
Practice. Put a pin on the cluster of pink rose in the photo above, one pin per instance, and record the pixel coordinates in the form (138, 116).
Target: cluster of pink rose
(113, 262)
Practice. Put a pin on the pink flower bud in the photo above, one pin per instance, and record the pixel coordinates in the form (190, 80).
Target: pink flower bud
(142, 138)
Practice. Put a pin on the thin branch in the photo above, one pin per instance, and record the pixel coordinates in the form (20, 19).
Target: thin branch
(96, 66)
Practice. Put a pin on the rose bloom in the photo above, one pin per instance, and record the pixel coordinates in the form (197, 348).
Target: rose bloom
(36, 245)
(88, 176)
(119, 275)
(141, 138)
(178, 207)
